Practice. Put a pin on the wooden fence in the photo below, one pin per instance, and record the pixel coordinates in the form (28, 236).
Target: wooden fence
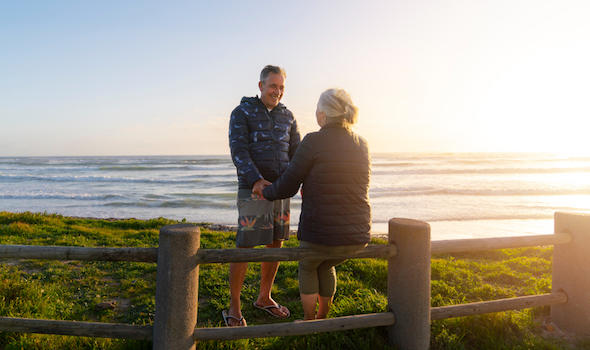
(408, 285)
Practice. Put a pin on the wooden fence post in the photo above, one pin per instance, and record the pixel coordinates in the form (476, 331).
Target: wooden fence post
(408, 284)
(177, 287)
(571, 274)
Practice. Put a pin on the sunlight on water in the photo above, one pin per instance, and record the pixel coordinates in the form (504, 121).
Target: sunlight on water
(459, 194)
(443, 230)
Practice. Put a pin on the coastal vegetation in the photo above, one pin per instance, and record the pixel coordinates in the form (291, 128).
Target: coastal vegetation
(124, 292)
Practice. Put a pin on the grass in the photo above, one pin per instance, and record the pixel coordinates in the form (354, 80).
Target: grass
(74, 290)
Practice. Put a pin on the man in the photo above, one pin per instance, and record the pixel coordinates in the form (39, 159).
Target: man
(263, 137)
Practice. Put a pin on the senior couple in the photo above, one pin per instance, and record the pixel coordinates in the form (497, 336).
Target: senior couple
(272, 162)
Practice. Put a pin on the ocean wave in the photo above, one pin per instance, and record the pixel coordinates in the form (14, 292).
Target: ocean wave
(151, 196)
(480, 157)
(143, 168)
(183, 203)
(43, 169)
(463, 171)
(394, 164)
(218, 196)
(165, 168)
(525, 216)
(221, 195)
(209, 161)
(231, 175)
(56, 162)
(86, 179)
(108, 179)
(79, 196)
(429, 191)
(122, 161)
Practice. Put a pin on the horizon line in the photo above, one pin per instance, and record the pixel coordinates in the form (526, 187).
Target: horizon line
(227, 154)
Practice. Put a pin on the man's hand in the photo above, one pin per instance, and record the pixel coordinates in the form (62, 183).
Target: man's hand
(258, 187)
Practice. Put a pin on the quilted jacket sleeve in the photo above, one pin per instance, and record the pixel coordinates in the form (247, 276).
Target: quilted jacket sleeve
(288, 184)
(238, 144)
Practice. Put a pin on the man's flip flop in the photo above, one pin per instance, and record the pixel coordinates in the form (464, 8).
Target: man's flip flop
(226, 317)
(269, 308)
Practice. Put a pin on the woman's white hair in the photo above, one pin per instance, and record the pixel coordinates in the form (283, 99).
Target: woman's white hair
(338, 106)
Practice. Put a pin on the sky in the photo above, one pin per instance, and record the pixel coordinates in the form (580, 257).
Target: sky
(161, 78)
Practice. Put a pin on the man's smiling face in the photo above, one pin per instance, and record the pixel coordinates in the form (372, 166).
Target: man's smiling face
(272, 89)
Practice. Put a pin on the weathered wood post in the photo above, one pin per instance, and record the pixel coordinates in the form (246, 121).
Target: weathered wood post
(408, 284)
(571, 274)
(177, 287)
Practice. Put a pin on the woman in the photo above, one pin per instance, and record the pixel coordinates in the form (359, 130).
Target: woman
(333, 165)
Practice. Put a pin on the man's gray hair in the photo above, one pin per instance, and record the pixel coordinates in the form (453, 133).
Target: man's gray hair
(271, 69)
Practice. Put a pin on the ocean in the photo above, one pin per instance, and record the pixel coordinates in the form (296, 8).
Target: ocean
(459, 195)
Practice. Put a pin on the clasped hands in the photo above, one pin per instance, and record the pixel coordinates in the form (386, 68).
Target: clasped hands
(258, 187)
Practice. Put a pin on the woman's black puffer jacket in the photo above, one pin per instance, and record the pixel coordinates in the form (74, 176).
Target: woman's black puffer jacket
(334, 166)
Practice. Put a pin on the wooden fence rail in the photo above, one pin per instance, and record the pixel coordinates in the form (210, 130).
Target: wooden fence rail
(296, 328)
(77, 328)
(78, 253)
(203, 256)
(408, 254)
(478, 244)
(210, 256)
(485, 307)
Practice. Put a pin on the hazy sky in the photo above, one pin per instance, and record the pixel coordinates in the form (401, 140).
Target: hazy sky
(146, 77)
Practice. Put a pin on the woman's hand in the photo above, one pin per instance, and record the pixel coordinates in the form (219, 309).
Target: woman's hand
(259, 187)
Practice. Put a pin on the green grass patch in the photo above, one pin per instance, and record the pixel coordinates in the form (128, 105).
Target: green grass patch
(74, 290)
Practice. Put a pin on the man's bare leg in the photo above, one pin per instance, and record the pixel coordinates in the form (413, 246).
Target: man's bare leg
(237, 273)
(268, 271)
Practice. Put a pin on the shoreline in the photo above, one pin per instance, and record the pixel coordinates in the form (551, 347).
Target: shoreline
(440, 230)
(209, 226)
